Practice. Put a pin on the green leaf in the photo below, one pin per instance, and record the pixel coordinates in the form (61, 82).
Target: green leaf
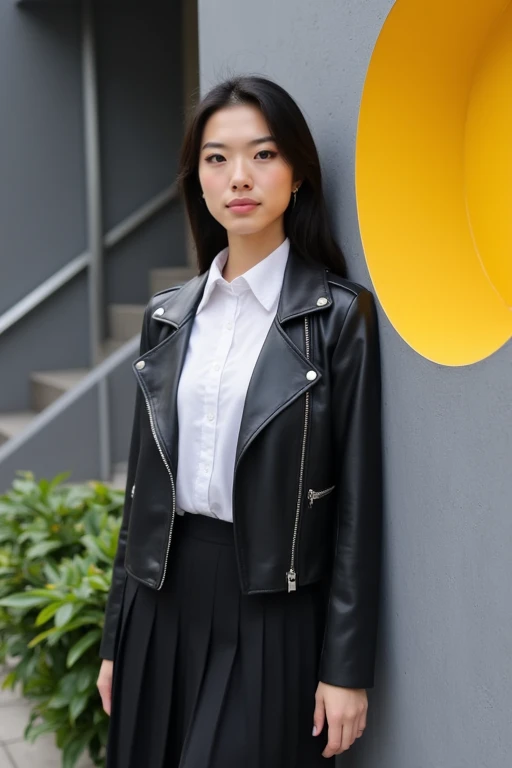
(34, 536)
(57, 480)
(26, 487)
(47, 613)
(82, 645)
(51, 573)
(82, 622)
(64, 614)
(42, 548)
(86, 677)
(74, 749)
(60, 700)
(33, 731)
(9, 680)
(42, 636)
(48, 594)
(98, 583)
(22, 600)
(77, 706)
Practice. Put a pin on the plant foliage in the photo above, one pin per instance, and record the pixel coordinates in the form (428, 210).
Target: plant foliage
(57, 546)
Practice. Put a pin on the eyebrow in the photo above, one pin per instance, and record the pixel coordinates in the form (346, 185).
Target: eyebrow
(219, 145)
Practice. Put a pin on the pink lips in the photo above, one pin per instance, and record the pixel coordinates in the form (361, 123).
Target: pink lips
(242, 205)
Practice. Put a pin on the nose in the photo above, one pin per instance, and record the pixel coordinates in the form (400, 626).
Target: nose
(240, 178)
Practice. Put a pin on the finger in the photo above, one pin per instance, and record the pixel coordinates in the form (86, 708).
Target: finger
(334, 739)
(360, 726)
(318, 716)
(348, 737)
(105, 698)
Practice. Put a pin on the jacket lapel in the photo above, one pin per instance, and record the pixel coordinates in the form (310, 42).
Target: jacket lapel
(159, 378)
(282, 372)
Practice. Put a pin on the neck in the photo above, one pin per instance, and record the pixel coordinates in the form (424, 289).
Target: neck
(245, 251)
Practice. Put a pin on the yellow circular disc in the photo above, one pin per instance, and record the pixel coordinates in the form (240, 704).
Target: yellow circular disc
(434, 175)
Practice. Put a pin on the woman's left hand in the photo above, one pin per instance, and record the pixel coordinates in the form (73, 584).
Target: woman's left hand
(345, 709)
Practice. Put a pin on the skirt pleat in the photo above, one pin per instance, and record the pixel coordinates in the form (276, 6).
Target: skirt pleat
(205, 677)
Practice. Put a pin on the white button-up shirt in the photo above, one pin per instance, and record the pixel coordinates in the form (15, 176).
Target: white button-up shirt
(230, 326)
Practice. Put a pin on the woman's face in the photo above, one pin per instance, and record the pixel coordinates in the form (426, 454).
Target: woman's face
(238, 159)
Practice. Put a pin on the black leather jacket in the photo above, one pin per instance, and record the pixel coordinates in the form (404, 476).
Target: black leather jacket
(307, 492)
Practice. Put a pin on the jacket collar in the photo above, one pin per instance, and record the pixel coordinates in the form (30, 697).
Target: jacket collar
(282, 372)
(305, 290)
(264, 280)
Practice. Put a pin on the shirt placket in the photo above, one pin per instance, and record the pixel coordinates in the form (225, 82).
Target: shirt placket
(211, 398)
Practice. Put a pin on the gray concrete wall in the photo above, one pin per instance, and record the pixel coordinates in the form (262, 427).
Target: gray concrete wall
(141, 103)
(442, 697)
(42, 188)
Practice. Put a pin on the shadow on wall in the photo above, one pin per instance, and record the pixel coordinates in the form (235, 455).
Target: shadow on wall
(434, 176)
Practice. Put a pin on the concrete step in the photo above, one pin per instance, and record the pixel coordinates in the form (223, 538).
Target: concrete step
(125, 320)
(11, 424)
(160, 279)
(47, 386)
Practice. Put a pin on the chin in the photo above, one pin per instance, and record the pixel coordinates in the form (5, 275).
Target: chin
(244, 228)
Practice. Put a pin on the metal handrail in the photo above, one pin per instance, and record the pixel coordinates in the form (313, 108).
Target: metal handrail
(64, 275)
(92, 260)
(94, 215)
(94, 378)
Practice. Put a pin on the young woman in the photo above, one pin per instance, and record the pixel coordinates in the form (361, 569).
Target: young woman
(241, 623)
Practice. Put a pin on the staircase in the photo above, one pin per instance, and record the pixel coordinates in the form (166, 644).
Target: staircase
(124, 322)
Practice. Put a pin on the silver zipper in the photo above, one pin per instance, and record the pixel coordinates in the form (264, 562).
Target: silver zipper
(313, 495)
(153, 431)
(291, 575)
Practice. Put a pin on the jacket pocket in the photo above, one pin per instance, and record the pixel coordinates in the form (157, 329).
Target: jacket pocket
(314, 495)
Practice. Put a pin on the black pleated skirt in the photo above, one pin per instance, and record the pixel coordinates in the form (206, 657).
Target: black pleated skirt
(205, 677)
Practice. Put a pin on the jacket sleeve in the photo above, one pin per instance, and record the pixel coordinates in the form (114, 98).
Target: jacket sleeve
(118, 572)
(348, 651)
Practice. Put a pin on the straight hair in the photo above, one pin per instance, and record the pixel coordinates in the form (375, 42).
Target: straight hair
(306, 224)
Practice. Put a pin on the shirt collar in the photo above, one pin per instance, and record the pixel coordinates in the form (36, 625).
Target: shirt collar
(264, 279)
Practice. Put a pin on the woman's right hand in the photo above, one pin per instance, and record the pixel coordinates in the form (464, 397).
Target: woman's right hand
(104, 684)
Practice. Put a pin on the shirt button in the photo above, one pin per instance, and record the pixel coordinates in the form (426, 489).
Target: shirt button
(216, 367)
(211, 417)
(229, 325)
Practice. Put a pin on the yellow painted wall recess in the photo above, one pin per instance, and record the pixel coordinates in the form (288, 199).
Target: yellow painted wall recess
(434, 175)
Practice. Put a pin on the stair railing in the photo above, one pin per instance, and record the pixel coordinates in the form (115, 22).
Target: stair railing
(92, 258)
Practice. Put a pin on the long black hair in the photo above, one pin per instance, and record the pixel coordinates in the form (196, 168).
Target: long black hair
(306, 224)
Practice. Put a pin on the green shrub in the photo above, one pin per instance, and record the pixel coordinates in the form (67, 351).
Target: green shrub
(57, 546)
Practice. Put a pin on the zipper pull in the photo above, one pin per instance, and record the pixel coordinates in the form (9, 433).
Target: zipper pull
(310, 497)
(291, 577)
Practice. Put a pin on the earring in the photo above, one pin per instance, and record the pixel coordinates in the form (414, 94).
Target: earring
(294, 197)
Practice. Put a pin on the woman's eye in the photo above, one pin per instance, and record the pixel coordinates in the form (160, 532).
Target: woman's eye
(211, 157)
(216, 159)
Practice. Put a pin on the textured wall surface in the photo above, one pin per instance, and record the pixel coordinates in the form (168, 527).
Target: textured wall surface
(42, 183)
(41, 197)
(442, 696)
